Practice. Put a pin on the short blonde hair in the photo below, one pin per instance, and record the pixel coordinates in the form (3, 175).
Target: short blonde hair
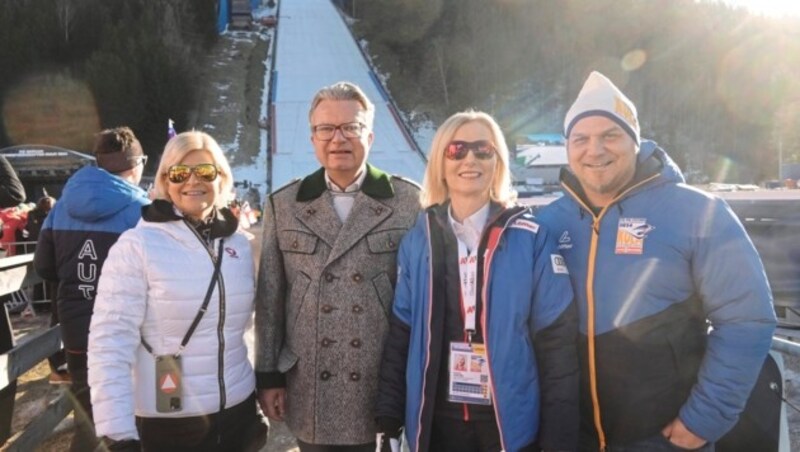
(182, 144)
(344, 91)
(434, 187)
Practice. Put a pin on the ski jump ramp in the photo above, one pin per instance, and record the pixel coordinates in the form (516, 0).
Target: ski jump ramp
(314, 48)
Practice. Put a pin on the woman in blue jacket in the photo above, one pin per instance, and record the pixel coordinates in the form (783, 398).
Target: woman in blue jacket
(481, 350)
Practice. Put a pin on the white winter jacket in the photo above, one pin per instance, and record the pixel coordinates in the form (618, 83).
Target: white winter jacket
(152, 284)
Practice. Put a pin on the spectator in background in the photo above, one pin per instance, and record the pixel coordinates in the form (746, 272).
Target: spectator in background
(14, 220)
(97, 205)
(12, 193)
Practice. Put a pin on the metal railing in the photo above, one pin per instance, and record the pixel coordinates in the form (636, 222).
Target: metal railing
(17, 273)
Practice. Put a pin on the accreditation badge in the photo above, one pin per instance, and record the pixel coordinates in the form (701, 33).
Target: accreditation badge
(168, 383)
(469, 374)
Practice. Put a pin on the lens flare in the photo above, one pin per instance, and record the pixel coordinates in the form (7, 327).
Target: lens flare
(634, 60)
(50, 109)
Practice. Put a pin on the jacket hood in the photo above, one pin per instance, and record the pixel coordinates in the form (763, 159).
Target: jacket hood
(224, 223)
(93, 194)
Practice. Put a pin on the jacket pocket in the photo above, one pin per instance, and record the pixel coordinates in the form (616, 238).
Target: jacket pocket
(297, 295)
(383, 286)
(297, 242)
(386, 241)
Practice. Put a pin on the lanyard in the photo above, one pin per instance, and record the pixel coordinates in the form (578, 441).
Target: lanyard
(468, 276)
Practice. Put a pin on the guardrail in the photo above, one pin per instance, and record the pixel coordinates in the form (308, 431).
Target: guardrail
(17, 273)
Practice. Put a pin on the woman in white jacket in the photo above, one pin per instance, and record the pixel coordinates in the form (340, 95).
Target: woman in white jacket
(168, 366)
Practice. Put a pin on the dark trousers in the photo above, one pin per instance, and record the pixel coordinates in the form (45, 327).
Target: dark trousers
(306, 447)
(57, 359)
(655, 443)
(235, 429)
(84, 438)
(456, 435)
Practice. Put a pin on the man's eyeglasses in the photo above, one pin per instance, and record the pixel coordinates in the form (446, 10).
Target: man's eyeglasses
(457, 150)
(325, 132)
(178, 174)
(142, 159)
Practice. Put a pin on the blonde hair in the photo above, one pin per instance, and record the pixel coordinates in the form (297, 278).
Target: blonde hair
(434, 187)
(344, 91)
(182, 144)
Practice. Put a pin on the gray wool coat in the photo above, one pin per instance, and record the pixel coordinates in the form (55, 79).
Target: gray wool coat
(324, 297)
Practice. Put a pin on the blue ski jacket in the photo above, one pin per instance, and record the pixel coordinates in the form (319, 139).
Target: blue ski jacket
(675, 310)
(528, 322)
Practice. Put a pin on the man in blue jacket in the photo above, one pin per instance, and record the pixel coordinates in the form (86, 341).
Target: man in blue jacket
(676, 314)
(97, 205)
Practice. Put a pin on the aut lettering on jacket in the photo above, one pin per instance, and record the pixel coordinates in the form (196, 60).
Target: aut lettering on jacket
(87, 270)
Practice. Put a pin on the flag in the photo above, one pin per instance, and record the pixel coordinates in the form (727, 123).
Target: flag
(170, 129)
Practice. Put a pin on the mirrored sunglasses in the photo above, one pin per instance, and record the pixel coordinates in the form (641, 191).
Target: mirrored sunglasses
(181, 173)
(457, 150)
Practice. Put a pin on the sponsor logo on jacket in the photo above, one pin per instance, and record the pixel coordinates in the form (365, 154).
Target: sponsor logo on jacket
(631, 234)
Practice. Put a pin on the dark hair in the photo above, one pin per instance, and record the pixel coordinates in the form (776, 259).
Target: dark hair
(116, 149)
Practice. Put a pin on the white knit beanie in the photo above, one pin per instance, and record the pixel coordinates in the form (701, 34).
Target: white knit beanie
(599, 97)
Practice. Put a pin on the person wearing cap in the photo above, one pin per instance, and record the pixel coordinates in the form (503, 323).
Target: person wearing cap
(654, 263)
(96, 206)
(326, 280)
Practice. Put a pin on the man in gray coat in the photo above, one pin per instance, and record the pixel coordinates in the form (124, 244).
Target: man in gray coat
(326, 281)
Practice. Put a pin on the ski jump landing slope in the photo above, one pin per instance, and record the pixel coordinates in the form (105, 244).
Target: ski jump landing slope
(315, 49)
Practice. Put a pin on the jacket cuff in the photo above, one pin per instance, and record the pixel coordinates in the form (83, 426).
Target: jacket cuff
(389, 426)
(270, 380)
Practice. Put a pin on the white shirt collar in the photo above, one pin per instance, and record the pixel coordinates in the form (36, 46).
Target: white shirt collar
(355, 186)
(471, 229)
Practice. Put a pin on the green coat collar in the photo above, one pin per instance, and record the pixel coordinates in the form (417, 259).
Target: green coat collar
(377, 184)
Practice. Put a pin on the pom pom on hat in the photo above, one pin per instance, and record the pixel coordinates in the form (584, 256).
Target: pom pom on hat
(600, 97)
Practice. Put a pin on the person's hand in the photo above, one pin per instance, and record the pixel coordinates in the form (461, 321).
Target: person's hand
(677, 433)
(273, 403)
(384, 443)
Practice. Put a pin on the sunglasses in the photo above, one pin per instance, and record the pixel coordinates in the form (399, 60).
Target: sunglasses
(457, 150)
(181, 173)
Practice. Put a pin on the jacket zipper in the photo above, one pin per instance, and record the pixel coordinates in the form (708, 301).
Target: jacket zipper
(487, 262)
(590, 312)
(220, 330)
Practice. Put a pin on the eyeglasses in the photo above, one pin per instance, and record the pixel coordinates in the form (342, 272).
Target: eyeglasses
(457, 150)
(140, 159)
(325, 132)
(181, 173)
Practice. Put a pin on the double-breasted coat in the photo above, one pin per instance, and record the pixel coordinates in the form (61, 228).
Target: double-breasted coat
(324, 297)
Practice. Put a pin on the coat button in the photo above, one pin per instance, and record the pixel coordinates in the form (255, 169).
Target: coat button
(357, 277)
(358, 309)
(356, 343)
(391, 244)
(355, 376)
(327, 309)
(295, 244)
(378, 210)
(327, 342)
(328, 277)
(311, 211)
(325, 375)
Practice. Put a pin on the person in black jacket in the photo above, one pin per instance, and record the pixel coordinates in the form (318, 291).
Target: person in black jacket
(11, 190)
(97, 205)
